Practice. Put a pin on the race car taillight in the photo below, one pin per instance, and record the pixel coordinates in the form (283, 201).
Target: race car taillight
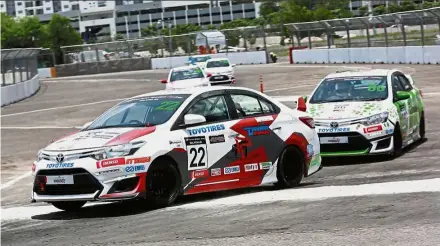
(33, 167)
(308, 121)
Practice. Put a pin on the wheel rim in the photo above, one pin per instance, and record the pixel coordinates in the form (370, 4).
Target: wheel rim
(290, 172)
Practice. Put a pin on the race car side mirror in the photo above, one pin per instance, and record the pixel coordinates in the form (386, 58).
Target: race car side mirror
(402, 95)
(305, 98)
(233, 65)
(192, 119)
(163, 81)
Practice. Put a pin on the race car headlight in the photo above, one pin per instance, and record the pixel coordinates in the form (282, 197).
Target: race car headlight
(40, 155)
(375, 119)
(118, 150)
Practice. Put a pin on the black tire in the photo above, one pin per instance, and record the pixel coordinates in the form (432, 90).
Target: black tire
(422, 128)
(163, 184)
(290, 170)
(69, 206)
(398, 143)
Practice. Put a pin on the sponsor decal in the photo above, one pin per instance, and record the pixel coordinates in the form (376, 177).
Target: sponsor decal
(257, 130)
(175, 142)
(231, 170)
(251, 167)
(138, 160)
(217, 139)
(216, 172)
(200, 174)
(197, 152)
(115, 170)
(59, 165)
(137, 168)
(373, 129)
(110, 162)
(340, 108)
(206, 129)
(264, 118)
(310, 151)
(326, 130)
(389, 131)
(265, 165)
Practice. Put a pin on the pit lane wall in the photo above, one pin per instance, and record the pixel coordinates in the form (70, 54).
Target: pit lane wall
(391, 55)
(15, 92)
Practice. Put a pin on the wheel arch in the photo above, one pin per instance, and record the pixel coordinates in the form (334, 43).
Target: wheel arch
(171, 160)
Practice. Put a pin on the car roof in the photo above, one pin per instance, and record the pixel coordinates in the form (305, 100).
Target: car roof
(192, 91)
(369, 72)
(218, 59)
(185, 67)
(200, 55)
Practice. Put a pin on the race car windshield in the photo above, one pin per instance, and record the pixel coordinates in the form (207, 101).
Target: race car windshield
(192, 73)
(212, 64)
(351, 89)
(140, 112)
(202, 58)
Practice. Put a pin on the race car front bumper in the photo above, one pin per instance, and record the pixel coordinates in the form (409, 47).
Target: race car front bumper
(222, 79)
(356, 140)
(79, 183)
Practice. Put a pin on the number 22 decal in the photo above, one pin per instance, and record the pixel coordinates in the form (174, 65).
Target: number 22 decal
(197, 152)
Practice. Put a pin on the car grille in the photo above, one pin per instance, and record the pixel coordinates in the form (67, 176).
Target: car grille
(356, 142)
(84, 183)
(219, 78)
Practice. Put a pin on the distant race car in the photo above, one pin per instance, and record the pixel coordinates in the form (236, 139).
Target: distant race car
(186, 77)
(160, 145)
(199, 60)
(367, 112)
(221, 69)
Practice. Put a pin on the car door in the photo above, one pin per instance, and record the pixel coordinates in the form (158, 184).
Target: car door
(402, 106)
(206, 145)
(413, 103)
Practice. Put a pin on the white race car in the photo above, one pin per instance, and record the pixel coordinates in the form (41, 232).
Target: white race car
(199, 60)
(221, 69)
(186, 77)
(367, 112)
(160, 145)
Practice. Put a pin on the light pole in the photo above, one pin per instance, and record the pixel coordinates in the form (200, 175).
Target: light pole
(170, 45)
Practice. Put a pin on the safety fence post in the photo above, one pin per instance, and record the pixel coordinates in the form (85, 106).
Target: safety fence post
(261, 84)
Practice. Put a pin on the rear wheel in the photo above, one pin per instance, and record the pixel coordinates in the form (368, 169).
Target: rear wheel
(290, 170)
(69, 206)
(163, 184)
(422, 126)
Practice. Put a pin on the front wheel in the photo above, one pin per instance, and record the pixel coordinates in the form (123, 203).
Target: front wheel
(69, 206)
(163, 184)
(290, 170)
(397, 142)
(422, 127)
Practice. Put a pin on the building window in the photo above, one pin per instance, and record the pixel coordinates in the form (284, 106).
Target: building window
(20, 11)
(29, 4)
(48, 1)
(1, 6)
(38, 3)
(30, 12)
(48, 9)
(39, 11)
(102, 3)
(75, 6)
(66, 6)
(19, 3)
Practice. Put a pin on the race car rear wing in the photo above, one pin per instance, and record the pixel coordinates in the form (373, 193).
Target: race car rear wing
(293, 102)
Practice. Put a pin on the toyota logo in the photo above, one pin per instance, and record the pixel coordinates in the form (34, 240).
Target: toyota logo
(60, 158)
(334, 124)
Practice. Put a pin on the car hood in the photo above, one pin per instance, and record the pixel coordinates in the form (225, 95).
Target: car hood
(218, 70)
(98, 138)
(344, 110)
(188, 83)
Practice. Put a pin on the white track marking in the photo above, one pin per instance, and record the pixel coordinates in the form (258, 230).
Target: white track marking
(294, 195)
(321, 193)
(69, 106)
(38, 127)
(288, 88)
(15, 180)
(95, 80)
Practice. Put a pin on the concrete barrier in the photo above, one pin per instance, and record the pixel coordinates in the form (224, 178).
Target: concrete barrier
(16, 92)
(239, 58)
(393, 55)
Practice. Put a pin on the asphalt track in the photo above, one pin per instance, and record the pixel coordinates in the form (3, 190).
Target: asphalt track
(367, 201)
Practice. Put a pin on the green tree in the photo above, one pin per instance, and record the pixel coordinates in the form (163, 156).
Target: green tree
(380, 10)
(393, 8)
(363, 11)
(61, 33)
(268, 7)
(408, 5)
(118, 36)
(27, 32)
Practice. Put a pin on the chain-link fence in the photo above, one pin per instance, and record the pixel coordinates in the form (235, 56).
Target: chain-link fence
(18, 65)
(414, 28)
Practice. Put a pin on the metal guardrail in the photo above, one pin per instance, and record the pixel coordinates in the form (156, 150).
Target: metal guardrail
(413, 28)
(18, 65)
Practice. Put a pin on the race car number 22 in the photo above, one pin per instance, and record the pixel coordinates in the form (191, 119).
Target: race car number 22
(197, 154)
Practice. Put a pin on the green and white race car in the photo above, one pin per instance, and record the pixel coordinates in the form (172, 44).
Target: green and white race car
(367, 112)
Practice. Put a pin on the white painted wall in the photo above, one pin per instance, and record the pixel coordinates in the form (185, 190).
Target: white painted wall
(19, 91)
(393, 55)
